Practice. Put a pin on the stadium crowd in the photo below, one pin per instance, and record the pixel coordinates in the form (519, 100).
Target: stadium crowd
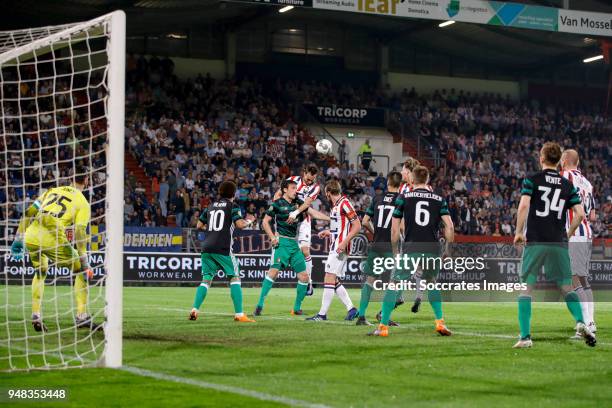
(191, 135)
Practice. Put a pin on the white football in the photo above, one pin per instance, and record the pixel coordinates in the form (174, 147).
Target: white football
(324, 146)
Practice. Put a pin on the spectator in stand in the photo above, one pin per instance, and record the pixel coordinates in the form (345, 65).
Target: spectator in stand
(365, 151)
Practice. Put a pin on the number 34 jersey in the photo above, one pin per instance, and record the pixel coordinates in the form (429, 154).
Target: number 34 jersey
(551, 197)
(422, 212)
(219, 219)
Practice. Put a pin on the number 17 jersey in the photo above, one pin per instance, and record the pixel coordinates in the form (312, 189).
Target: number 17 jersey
(380, 211)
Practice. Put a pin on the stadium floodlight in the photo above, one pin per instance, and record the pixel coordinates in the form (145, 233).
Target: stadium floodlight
(285, 9)
(592, 59)
(63, 108)
(446, 23)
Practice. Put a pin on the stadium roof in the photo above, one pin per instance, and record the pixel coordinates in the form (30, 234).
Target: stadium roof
(510, 47)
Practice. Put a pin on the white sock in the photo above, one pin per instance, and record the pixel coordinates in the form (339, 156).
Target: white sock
(583, 303)
(417, 280)
(588, 294)
(308, 260)
(328, 296)
(344, 296)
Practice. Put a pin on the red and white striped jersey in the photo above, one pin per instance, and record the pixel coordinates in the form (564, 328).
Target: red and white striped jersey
(304, 190)
(585, 191)
(342, 215)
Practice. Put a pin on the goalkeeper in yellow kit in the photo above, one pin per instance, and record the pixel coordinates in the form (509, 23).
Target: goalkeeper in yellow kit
(43, 231)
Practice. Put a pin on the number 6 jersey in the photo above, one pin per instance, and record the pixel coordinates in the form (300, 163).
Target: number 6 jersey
(219, 219)
(422, 212)
(551, 197)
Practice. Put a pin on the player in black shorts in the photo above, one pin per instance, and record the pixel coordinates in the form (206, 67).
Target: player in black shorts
(377, 220)
(545, 198)
(219, 220)
(421, 212)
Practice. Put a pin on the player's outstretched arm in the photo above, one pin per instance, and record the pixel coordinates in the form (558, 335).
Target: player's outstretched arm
(579, 215)
(318, 215)
(245, 222)
(305, 205)
(367, 223)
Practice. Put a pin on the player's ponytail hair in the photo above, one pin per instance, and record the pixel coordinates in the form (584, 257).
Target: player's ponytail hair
(227, 189)
(420, 175)
(333, 187)
(551, 153)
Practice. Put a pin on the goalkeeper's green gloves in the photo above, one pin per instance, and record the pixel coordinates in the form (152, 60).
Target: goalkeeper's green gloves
(17, 249)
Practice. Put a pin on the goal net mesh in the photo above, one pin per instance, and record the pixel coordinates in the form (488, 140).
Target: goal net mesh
(54, 111)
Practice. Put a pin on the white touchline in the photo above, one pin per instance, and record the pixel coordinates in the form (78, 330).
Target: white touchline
(221, 387)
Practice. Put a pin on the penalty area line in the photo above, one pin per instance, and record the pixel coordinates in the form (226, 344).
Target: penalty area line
(221, 387)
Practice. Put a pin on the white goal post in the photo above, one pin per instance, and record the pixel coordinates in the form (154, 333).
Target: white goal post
(62, 108)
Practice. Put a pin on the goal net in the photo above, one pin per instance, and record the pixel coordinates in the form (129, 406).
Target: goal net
(61, 119)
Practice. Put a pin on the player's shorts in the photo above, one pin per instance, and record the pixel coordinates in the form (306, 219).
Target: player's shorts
(44, 245)
(580, 257)
(336, 263)
(374, 264)
(211, 263)
(428, 263)
(288, 254)
(553, 257)
(304, 233)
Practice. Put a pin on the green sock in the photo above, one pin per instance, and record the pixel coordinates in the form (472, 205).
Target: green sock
(573, 304)
(200, 295)
(300, 290)
(236, 294)
(265, 289)
(366, 292)
(524, 312)
(435, 300)
(388, 305)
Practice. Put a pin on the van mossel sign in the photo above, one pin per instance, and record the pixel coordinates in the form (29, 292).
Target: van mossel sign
(497, 13)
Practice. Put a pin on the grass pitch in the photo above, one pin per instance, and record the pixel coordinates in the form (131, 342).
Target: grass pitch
(283, 360)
